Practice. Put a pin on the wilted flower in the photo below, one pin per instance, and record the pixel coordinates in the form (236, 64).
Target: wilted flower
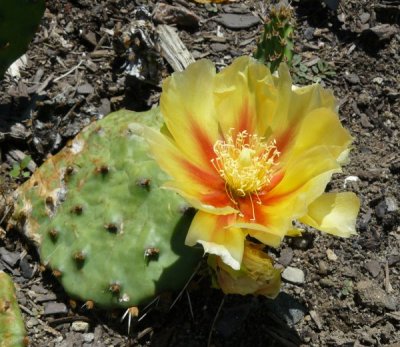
(256, 276)
(252, 154)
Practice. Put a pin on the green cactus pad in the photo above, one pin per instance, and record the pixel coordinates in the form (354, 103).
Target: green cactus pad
(105, 226)
(276, 44)
(19, 20)
(12, 329)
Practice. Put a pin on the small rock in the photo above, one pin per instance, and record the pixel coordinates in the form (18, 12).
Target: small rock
(8, 257)
(373, 296)
(218, 47)
(286, 256)
(323, 267)
(88, 337)
(85, 89)
(309, 33)
(331, 255)
(364, 120)
(169, 14)
(393, 259)
(373, 267)
(352, 78)
(391, 204)
(237, 21)
(287, 307)
(364, 17)
(54, 308)
(378, 80)
(381, 32)
(293, 275)
(326, 283)
(26, 269)
(80, 326)
(31, 322)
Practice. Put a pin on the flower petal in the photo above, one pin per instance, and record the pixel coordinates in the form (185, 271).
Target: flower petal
(214, 233)
(244, 96)
(321, 127)
(293, 105)
(306, 177)
(189, 112)
(202, 186)
(334, 213)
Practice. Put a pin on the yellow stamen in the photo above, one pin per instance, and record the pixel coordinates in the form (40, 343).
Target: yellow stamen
(245, 163)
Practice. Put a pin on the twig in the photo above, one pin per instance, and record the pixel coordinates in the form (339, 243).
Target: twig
(68, 72)
(214, 321)
(388, 286)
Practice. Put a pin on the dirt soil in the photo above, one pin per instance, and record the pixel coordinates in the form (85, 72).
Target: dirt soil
(76, 72)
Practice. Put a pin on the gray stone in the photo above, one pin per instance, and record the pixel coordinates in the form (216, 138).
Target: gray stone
(293, 275)
(373, 267)
(80, 326)
(286, 256)
(88, 337)
(85, 89)
(237, 21)
(371, 295)
(54, 308)
(8, 257)
(287, 308)
(352, 78)
(364, 17)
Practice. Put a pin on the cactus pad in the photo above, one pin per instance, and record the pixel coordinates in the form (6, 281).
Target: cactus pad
(105, 227)
(12, 329)
(18, 22)
(276, 45)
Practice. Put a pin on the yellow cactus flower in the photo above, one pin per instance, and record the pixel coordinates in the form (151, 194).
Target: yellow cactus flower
(256, 276)
(252, 153)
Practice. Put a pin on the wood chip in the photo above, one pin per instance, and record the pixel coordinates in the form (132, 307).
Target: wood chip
(173, 49)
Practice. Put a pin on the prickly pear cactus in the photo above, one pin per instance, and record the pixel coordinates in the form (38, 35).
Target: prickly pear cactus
(12, 329)
(19, 20)
(105, 226)
(276, 45)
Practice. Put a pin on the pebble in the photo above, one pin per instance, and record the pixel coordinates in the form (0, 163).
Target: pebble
(85, 89)
(287, 307)
(331, 255)
(326, 283)
(54, 308)
(80, 326)
(237, 21)
(169, 14)
(8, 257)
(286, 256)
(88, 337)
(391, 204)
(352, 78)
(364, 17)
(371, 295)
(293, 275)
(373, 267)
(323, 267)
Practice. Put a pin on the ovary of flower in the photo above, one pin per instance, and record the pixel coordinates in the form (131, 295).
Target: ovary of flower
(246, 163)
